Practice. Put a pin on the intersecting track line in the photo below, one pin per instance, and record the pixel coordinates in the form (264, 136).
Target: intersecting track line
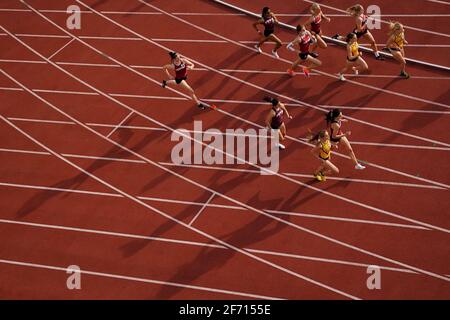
(292, 174)
(136, 279)
(188, 136)
(194, 243)
(167, 216)
(262, 89)
(317, 234)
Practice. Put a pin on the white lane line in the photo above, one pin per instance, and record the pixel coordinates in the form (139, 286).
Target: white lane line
(424, 15)
(61, 49)
(387, 22)
(272, 72)
(315, 216)
(168, 216)
(26, 186)
(365, 143)
(292, 174)
(120, 124)
(209, 189)
(208, 204)
(201, 209)
(193, 243)
(392, 183)
(381, 109)
(205, 187)
(136, 279)
(440, 2)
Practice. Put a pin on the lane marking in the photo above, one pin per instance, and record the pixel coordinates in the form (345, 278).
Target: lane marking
(136, 279)
(193, 243)
(60, 49)
(201, 209)
(119, 124)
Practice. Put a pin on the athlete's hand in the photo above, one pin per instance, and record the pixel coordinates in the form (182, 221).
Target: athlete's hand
(289, 116)
(290, 46)
(348, 133)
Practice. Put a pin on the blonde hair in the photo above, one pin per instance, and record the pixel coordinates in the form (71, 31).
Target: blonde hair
(394, 26)
(357, 8)
(315, 6)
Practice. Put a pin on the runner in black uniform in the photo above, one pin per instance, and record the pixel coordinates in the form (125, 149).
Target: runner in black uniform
(275, 120)
(268, 19)
(180, 65)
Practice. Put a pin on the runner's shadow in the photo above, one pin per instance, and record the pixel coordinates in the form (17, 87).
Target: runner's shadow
(40, 198)
(213, 259)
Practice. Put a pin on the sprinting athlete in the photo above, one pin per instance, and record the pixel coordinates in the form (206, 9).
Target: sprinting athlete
(315, 20)
(334, 120)
(395, 45)
(361, 29)
(307, 43)
(268, 19)
(180, 65)
(322, 150)
(274, 119)
(354, 61)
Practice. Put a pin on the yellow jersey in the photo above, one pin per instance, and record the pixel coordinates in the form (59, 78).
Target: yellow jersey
(325, 150)
(399, 40)
(354, 48)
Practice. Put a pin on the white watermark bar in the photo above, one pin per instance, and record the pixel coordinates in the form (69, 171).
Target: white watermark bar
(234, 146)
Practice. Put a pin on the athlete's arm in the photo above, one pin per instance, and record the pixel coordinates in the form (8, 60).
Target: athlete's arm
(168, 67)
(255, 25)
(282, 106)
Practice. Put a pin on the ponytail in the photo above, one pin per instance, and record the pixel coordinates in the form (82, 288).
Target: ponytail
(332, 114)
(314, 138)
(357, 8)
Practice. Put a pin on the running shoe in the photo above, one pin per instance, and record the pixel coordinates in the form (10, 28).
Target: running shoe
(306, 71)
(324, 178)
(359, 166)
(281, 146)
(314, 54)
(379, 57)
(291, 72)
(275, 54)
(318, 177)
(404, 75)
(355, 71)
(201, 106)
(341, 77)
(336, 36)
(164, 83)
(258, 48)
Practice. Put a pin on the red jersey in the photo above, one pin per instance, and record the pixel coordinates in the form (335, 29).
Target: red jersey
(180, 70)
(269, 23)
(277, 119)
(315, 23)
(304, 42)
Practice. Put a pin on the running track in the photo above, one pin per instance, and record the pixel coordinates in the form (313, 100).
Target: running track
(86, 176)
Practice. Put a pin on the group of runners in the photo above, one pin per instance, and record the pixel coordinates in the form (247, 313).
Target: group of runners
(309, 40)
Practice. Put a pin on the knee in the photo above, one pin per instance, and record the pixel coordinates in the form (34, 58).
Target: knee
(319, 63)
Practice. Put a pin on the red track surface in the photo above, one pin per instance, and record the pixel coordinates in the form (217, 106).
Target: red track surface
(316, 240)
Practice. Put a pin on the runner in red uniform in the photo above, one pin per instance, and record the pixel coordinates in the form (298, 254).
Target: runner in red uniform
(275, 120)
(306, 41)
(361, 30)
(268, 19)
(314, 22)
(180, 65)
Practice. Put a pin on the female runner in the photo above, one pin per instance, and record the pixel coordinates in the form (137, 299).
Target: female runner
(322, 150)
(305, 40)
(334, 122)
(180, 66)
(361, 30)
(354, 60)
(268, 19)
(314, 22)
(275, 120)
(395, 45)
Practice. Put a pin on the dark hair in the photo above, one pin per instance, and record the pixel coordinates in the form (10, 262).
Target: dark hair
(273, 101)
(173, 55)
(299, 28)
(333, 114)
(316, 137)
(350, 36)
(265, 10)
